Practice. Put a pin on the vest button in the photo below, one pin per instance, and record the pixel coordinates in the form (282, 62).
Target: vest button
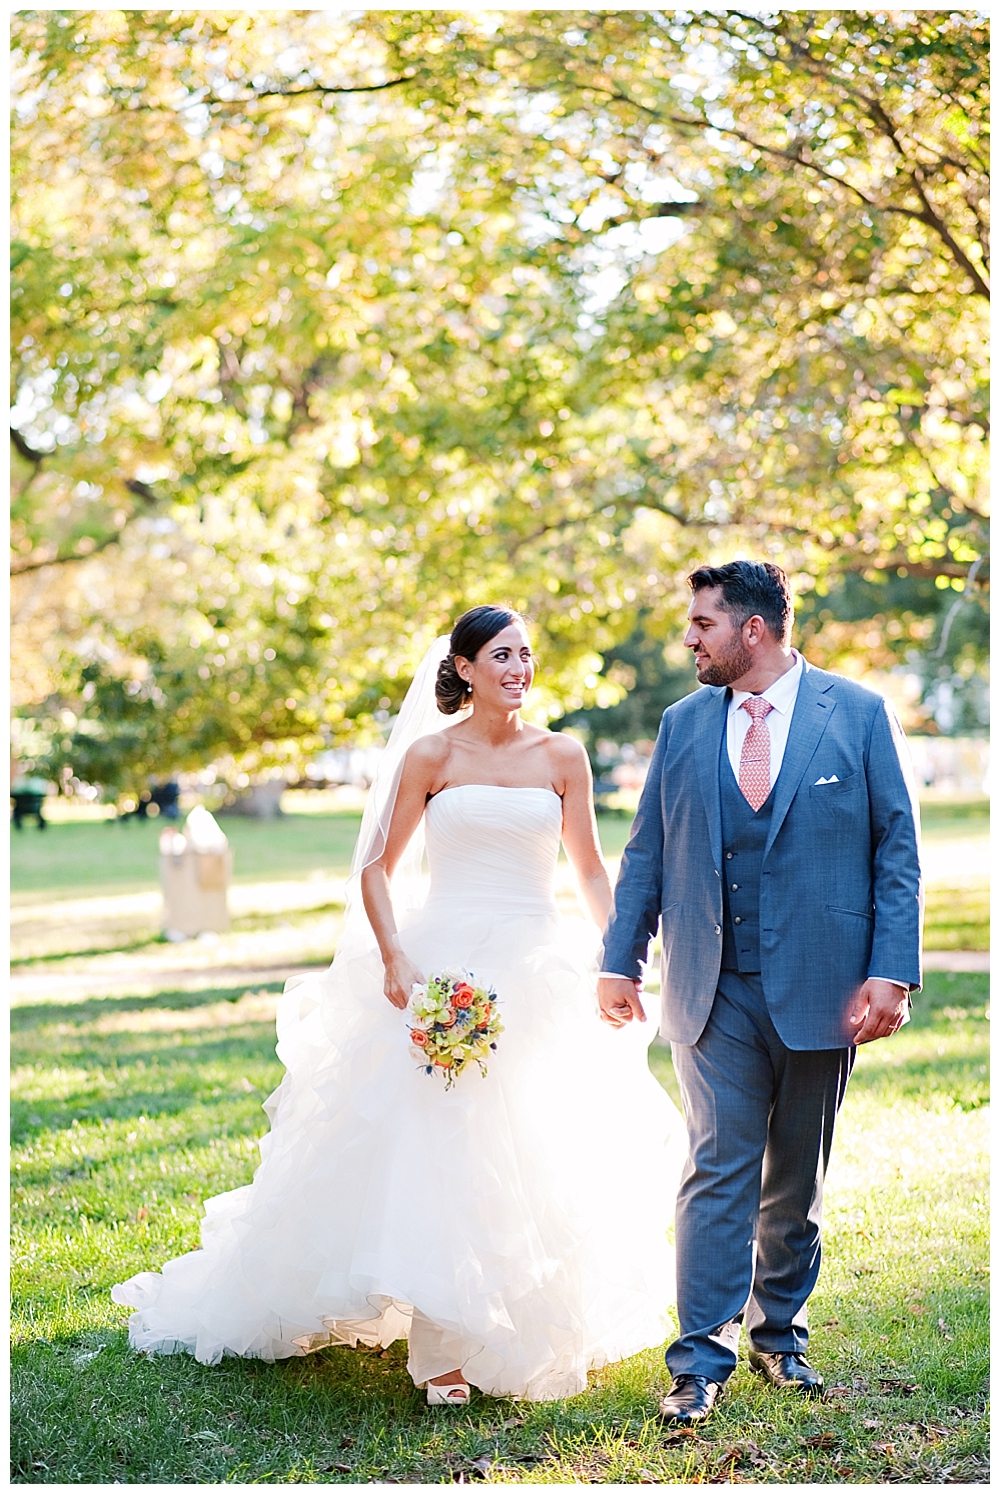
(735, 887)
(718, 929)
(737, 920)
(729, 855)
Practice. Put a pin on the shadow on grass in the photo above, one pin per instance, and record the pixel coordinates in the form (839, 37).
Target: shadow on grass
(344, 1416)
(119, 1416)
(902, 1344)
(79, 1013)
(134, 946)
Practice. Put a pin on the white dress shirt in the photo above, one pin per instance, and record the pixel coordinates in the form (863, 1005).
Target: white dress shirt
(781, 696)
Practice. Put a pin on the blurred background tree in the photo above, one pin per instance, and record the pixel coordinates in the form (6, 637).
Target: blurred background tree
(326, 327)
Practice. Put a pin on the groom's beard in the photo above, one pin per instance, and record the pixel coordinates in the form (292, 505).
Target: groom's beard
(729, 662)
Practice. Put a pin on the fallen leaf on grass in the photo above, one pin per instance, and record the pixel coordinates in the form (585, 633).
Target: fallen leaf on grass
(943, 1329)
(932, 1432)
(837, 1393)
(888, 1449)
(822, 1439)
(889, 1386)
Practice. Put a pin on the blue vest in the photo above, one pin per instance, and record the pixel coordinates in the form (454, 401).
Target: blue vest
(744, 835)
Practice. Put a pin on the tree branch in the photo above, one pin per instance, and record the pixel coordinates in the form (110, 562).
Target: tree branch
(879, 117)
(57, 559)
(934, 221)
(923, 570)
(292, 93)
(132, 484)
(22, 448)
(141, 490)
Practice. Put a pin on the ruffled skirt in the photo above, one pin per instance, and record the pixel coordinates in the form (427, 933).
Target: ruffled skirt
(514, 1226)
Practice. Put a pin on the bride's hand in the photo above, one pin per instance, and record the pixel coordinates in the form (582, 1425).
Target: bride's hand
(401, 975)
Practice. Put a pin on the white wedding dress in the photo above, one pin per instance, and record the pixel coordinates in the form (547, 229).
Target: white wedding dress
(513, 1226)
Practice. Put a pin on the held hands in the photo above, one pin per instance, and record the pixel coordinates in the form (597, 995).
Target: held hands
(400, 977)
(880, 1009)
(618, 1000)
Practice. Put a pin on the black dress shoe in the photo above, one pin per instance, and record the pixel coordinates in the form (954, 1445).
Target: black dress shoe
(787, 1372)
(691, 1400)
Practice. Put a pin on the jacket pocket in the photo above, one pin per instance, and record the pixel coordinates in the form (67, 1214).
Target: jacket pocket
(835, 790)
(851, 912)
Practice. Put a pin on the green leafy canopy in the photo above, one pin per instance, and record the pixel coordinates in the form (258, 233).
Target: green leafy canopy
(328, 326)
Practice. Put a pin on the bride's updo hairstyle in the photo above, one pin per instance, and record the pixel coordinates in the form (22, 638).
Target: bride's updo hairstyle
(473, 629)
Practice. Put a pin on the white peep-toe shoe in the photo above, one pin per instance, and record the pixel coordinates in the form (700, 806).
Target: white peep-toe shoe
(447, 1395)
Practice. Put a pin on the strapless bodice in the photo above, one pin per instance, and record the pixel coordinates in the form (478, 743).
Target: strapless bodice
(489, 842)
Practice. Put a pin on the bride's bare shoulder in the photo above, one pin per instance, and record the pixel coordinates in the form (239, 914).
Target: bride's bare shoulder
(431, 751)
(564, 751)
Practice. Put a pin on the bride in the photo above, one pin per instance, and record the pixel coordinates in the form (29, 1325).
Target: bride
(513, 1226)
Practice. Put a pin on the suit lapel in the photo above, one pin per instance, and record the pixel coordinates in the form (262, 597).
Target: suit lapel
(810, 717)
(707, 746)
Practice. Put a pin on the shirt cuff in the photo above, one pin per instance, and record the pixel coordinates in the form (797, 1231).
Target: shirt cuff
(905, 984)
(613, 975)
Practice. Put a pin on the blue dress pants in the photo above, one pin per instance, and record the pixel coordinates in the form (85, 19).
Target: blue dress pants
(760, 1121)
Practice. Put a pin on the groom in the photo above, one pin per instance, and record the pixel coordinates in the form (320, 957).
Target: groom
(776, 843)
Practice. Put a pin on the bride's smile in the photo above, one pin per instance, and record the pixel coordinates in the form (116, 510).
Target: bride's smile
(502, 672)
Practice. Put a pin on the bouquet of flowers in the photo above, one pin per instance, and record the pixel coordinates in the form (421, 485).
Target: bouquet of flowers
(456, 1024)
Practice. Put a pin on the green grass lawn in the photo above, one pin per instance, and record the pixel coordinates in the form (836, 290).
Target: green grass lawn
(128, 1112)
(85, 859)
(90, 858)
(955, 817)
(958, 917)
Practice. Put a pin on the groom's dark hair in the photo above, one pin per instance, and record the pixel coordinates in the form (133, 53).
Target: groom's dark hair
(750, 588)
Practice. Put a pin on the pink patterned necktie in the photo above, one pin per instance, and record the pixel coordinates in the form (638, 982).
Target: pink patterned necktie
(755, 759)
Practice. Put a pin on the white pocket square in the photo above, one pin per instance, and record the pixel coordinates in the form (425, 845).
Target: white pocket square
(832, 779)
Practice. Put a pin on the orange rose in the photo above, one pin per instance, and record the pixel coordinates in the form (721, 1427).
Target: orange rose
(418, 1037)
(462, 998)
(464, 989)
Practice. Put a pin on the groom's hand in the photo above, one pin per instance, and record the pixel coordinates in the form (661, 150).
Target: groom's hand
(880, 1008)
(618, 1000)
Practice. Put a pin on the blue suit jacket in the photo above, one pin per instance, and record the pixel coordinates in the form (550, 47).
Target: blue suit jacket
(840, 885)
